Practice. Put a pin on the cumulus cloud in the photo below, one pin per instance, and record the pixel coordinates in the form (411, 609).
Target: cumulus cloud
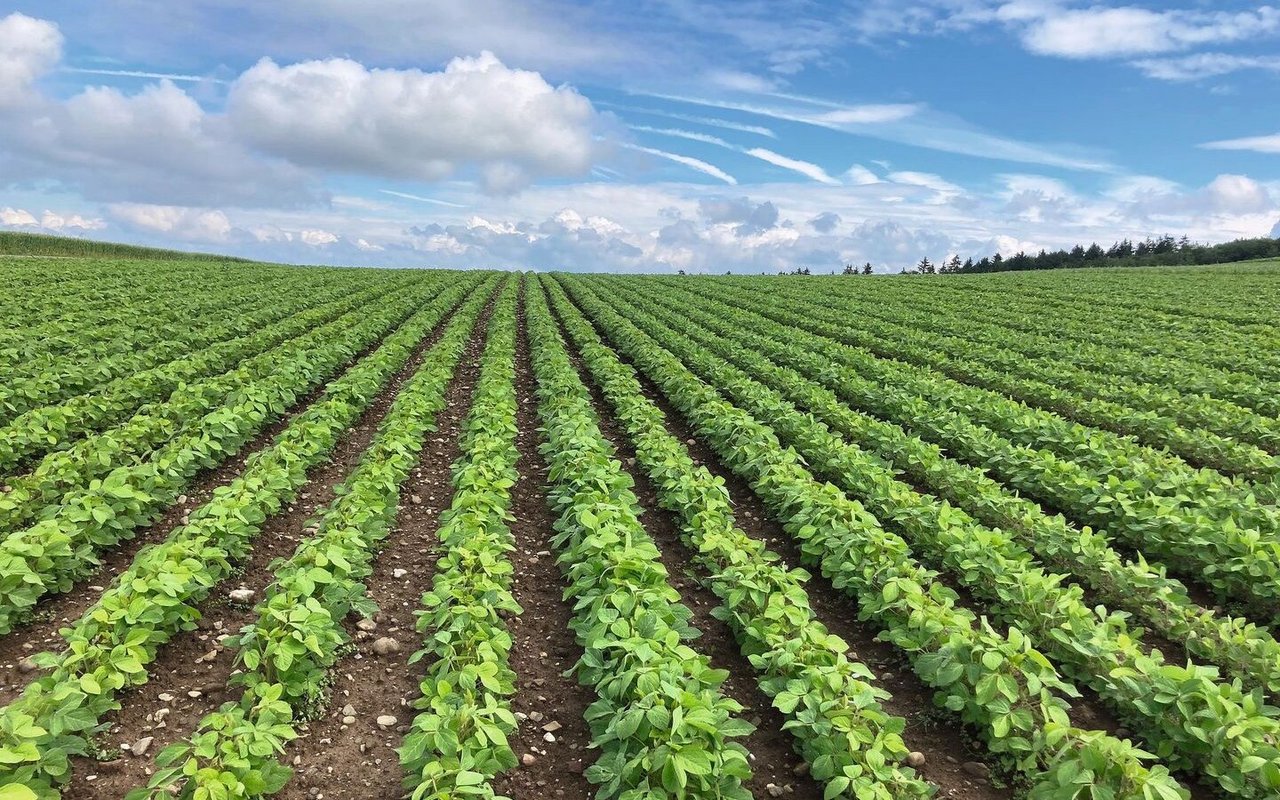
(1102, 32)
(1231, 195)
(28, 49)
(186, 224)
(154, 146)
(743, 213)
(17, 217)
(51, 221)
(337, 114)
(825, 222)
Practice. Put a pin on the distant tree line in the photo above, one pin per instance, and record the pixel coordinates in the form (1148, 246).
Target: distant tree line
(1162, 251)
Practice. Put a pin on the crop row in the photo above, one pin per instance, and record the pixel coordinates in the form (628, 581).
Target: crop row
(31, 495)
(108, 648)
(192, 326)
(1098, 341)
(1207, 430)
(663, 727)
(961, 359)
(833, 710)
(297, 634)
(1189, 718)
(999, 683)
(1200, 522)
(63, 546)
(1243, 650)
(459, 737)
(54, 427)
(70, 323)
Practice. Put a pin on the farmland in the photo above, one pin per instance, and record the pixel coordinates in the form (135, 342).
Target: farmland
(313, 532)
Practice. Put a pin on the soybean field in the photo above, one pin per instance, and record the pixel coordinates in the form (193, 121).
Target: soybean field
(272, 531)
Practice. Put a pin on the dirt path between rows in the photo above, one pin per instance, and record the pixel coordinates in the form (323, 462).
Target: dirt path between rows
(190, 675)
(344, 754)
(544, 646)
(53, 612)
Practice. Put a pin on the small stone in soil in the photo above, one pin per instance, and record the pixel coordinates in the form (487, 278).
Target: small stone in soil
(240, 595)
(386, 721)
(977, 769)
(140, 747)
(385, 646)
(915, 760)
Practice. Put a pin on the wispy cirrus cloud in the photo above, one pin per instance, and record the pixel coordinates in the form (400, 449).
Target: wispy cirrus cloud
(906, 123)
(1204, 65)
(805, 168)
(713, 122)
(688, 161)
(133, 73)
(1256, 144)
(421, 199)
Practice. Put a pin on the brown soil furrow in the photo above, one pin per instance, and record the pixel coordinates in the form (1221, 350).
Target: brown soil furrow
(774, 762)
(544, 646)
(53, 612)
(358, 761)
(938, 735)
(195, 662)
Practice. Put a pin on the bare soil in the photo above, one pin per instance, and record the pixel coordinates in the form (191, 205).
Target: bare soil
(544, 647)
(189, 678)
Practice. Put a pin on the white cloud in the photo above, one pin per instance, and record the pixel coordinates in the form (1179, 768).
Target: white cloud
(421, 199)
(693, 163)
(933, 131)
(859, 175)
(1204, 65)
(693, 136)
(736, 81)
(714, 122)
(1256, 144)
(53, 221)
(134, 73)
(805, 168)
(185, 224)
(1102, 32)
(337, 114)
(17, 217)
(943, 189)
(318, 238)
(28, 49)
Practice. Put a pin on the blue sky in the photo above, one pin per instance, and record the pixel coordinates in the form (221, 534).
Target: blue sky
(680, 134)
